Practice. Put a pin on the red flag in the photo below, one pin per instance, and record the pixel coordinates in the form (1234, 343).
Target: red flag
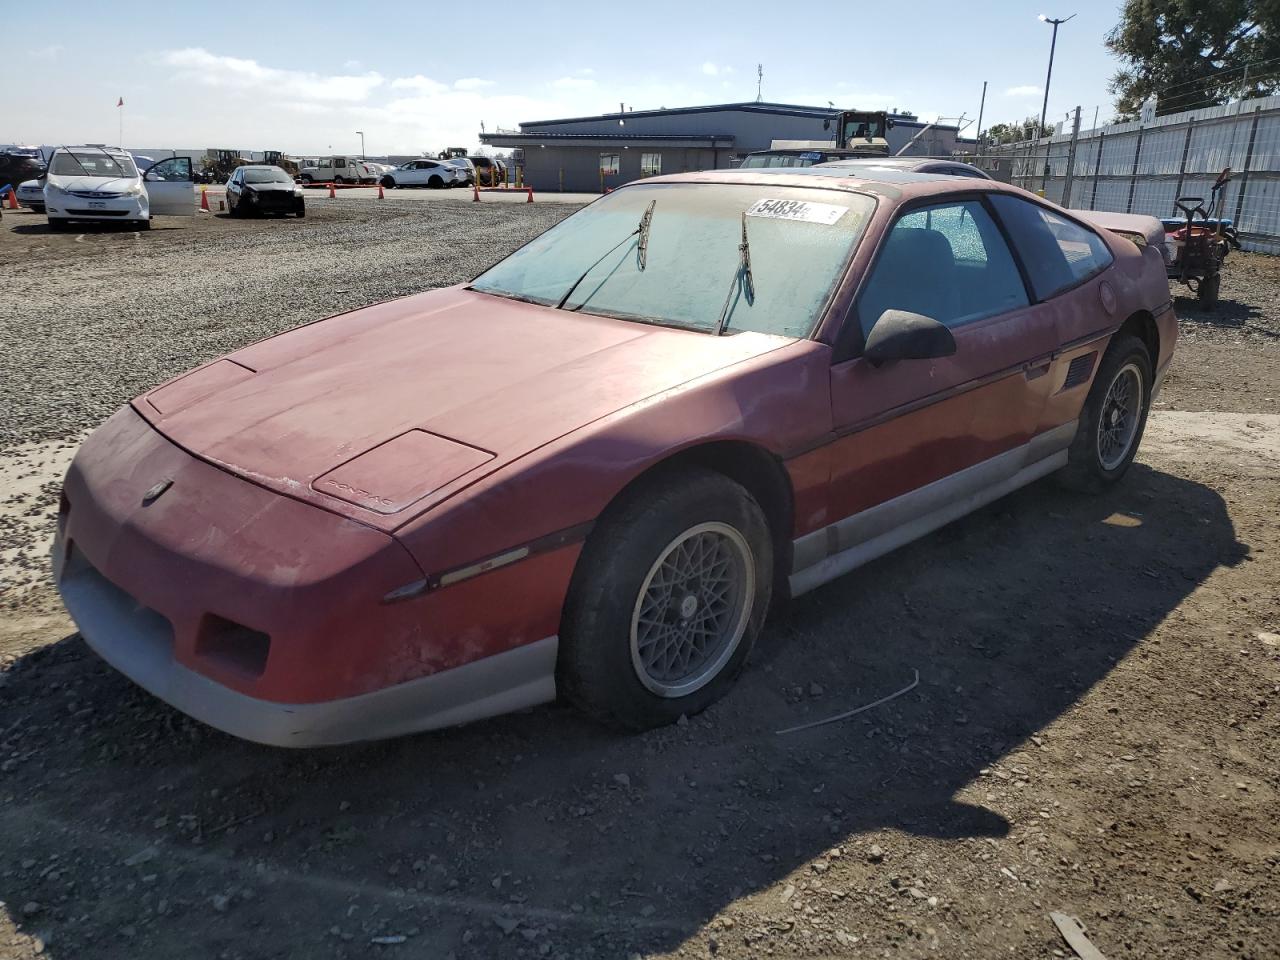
(120, 103)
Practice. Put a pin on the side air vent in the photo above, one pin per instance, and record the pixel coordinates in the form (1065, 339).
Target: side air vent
(1079, 370)
(233, 645)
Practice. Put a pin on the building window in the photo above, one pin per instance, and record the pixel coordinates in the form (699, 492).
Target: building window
(650, 164)
(608, 163)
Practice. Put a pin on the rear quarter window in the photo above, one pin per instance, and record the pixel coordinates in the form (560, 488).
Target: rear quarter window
(1057, 252)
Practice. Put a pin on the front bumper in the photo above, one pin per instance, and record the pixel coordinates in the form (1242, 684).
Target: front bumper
(31, 201)
(261, 615)
(71, 207)
(140, 644)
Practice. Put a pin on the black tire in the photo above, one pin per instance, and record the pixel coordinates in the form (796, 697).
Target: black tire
(143, 225)
(1087, 470)
(389, 182)
(300, 212)
(233, 209)
(338, 180)
(1208, 292)
(599, 668)
(305, 178)
(435, 182)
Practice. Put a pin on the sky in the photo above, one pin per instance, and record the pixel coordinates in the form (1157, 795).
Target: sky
(304, 77)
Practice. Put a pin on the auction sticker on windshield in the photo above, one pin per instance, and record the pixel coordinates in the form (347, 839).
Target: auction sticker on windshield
(797, 210)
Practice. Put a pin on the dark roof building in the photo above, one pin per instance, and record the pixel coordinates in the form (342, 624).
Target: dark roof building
(590, 154)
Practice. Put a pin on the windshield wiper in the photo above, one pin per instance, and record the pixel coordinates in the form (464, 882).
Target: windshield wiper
(642, 251)
(741, 277)
(642, 245)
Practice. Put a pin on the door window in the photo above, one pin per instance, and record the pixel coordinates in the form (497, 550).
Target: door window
(650, 164)
(1058, 252)
(608, 163)
(340, 164)
(175, 168)
(947, 262)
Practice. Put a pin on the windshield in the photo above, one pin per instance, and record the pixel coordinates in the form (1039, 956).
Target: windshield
(800, 240)
(267, 176)
(76, 164)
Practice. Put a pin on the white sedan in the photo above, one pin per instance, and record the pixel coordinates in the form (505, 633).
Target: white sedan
(104, 185)
(31, 195)
(423, 173)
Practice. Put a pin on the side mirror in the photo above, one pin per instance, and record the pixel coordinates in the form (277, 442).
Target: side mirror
(901, 335)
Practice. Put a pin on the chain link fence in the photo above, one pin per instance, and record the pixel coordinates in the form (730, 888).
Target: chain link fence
(1144, 167)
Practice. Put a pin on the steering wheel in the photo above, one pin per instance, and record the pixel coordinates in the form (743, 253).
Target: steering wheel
(1185, 205)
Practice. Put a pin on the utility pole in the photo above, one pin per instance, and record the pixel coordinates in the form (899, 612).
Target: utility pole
(759, 83)
(1053, 45)
(981, 107)
(361, 132)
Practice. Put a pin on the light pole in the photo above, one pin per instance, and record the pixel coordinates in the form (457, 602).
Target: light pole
(361, 132)
(1045, 106)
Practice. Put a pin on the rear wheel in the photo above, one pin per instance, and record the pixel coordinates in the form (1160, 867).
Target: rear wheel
(338, 180)
(1208, 292)
(668, 597)
(436, 182)
(1113, 418)
(305, 178)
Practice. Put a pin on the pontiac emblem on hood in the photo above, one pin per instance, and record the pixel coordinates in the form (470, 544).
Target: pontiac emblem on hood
(154, 493)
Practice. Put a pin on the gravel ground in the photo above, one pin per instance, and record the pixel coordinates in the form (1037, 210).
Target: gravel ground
(189, 291)
(1094, 730)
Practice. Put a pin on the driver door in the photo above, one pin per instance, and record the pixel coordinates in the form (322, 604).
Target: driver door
(171, 188)
(921, 441)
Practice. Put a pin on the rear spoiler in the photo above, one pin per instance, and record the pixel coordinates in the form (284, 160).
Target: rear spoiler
(1144, 231)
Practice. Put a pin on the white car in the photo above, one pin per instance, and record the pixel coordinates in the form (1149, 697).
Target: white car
(31, 195)
(466, 168)
(424, 173)
(104, 185)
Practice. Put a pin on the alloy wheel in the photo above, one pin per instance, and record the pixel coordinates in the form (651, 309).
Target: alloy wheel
(1121, 413)
(692, 609)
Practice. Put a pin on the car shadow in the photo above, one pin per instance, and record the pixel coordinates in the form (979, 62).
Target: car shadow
(131, 831)
(86, 228)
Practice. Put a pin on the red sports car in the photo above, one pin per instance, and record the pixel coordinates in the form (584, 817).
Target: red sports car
(589, 471)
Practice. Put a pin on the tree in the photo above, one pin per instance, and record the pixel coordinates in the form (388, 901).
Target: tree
(1193, 53)
(1028, 129)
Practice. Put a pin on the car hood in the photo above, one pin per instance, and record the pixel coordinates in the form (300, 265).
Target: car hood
(105, 184)
(264, 187)
(383, 412)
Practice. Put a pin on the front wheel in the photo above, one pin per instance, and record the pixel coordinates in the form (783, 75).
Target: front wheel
(389, 182)
(668, 596)
(1113, 418)
(339, 180)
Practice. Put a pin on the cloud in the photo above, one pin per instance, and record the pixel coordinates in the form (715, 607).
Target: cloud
(573, 83)
(419, 83)
(1029, 90)
(585, 71)
(472, 83)
(195, 64)
(351, 65)
(714, 70)
(46, 53)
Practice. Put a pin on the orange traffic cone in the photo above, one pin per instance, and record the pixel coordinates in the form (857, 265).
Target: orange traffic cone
(381, 195)
(13, 199)
(333, 194)
(475, 190)
(204, 201)
(530, 197)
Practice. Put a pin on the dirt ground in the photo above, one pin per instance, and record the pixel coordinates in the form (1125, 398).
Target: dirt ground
(1094, 732)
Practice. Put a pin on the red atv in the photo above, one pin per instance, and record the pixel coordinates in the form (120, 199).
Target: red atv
(1200, 243)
